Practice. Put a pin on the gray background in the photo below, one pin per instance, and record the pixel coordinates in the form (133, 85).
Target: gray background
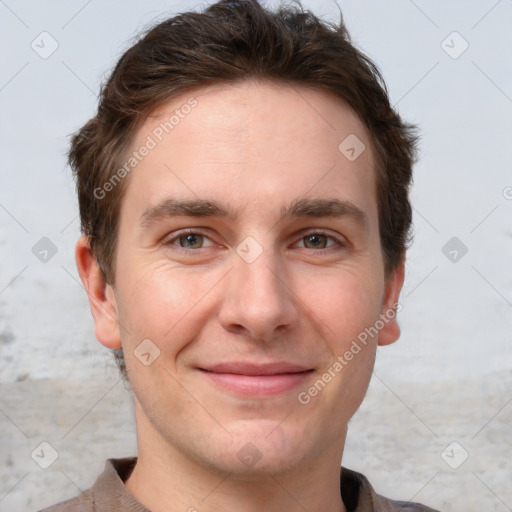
(447, 380)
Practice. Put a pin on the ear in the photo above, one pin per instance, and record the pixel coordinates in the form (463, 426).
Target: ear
(390, 306)
(101, 295)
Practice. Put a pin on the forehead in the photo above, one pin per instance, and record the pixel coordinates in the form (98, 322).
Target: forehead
(263, 144)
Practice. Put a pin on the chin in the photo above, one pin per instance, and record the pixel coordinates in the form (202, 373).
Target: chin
(262, 446)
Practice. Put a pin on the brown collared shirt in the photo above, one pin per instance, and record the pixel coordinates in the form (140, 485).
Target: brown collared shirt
(108, 494)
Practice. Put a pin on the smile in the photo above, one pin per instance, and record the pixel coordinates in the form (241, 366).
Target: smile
(257, 381)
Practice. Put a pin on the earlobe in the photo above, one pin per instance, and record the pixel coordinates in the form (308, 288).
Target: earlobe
(390, 331)
(101, 295)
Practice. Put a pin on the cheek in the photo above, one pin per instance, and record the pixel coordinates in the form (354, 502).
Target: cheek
(344, 302)
(160, 302)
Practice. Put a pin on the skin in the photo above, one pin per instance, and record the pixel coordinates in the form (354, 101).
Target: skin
(254, 147)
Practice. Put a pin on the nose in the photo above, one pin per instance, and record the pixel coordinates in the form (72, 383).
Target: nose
(258, 299)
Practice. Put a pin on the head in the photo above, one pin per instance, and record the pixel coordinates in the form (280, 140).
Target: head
(244, 114)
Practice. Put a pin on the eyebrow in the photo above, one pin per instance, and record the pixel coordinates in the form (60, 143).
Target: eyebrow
(305, 207)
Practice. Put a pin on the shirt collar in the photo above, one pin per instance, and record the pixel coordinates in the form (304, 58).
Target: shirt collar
(110, 493)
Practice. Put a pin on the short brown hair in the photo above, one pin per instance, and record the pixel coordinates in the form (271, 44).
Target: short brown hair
(234, 40)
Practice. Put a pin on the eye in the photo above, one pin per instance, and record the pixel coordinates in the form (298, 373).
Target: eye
(195, 240)
(189, 240)
(319, 240)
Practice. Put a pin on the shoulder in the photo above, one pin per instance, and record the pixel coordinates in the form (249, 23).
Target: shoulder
(107, 493)
(82, 503)
(360, 496)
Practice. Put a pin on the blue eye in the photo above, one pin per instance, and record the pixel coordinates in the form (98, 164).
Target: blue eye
(188, 239)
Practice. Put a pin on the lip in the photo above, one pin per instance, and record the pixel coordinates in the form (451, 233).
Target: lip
(240, 368)
(261, 380)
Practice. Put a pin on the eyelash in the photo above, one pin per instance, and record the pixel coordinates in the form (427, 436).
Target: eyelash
(339, 244)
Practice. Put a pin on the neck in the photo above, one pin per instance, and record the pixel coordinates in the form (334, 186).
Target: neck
(166, 479)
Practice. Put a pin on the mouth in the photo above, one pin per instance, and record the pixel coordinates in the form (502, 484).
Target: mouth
(263, 380)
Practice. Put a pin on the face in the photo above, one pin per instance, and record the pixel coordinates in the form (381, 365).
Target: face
(249, 260)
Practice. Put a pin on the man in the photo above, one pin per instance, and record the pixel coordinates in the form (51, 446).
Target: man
(243, 195)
